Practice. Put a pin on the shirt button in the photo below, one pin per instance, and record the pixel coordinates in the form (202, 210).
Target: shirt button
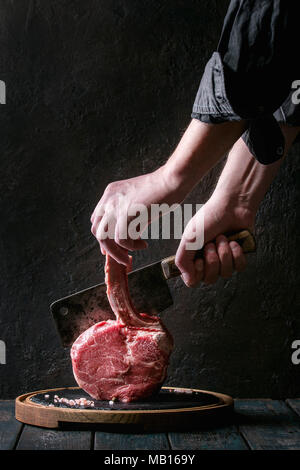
(279, 151)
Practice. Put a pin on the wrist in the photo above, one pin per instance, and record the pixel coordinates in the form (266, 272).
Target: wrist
(236, 197)
(239, 208)
(175, 182)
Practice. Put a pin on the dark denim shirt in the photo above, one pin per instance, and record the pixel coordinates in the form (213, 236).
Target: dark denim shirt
(251, 74)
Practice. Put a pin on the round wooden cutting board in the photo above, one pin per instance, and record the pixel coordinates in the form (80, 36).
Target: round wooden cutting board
(171, 408)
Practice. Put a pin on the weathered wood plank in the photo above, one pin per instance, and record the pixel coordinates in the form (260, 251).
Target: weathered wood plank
(35, 438)
(268, 424)
(294, 403)
(218, 438)
(10, 428)
(122, 441)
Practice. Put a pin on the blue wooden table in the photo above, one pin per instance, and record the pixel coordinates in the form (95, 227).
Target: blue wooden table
(260, 424)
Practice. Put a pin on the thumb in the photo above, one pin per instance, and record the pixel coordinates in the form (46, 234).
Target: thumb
(184, 261)
(212, 226)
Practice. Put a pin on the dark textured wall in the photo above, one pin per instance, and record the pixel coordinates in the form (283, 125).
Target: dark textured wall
(99, 91)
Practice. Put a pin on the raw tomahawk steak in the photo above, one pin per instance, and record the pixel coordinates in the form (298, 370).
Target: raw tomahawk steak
(124, 359)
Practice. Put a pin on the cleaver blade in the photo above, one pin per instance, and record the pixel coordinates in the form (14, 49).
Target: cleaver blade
(148, 289)
(75, 313)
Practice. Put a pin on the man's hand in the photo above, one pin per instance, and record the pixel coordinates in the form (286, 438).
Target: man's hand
(119, 204)
(221, 257)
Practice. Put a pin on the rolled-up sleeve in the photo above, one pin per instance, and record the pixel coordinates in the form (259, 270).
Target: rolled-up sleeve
(250, 74)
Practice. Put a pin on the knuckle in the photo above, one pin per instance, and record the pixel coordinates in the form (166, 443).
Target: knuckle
(213, 260)
(223, 248)
(235, 247)
(110, 187)
(100, 235)
(220, 239)
(210, 247)
(224, 257)
(210, 253)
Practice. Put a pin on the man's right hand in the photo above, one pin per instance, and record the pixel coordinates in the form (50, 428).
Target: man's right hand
(119, 197)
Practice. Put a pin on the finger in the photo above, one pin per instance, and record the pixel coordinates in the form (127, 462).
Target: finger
(94, 215)
(95, 224)
(100, 207)
(211, 264)
(115, 251)
(140, 244)
(122, 238)
(184, 261)
(105, 236)
(199, 265)
(199, 270)
(131, 245)
(225, 256)
(239, 258)
(106, 227)
(102, 249)
(99, 212)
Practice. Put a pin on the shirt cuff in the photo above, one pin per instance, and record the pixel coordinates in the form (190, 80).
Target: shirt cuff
(263, 135)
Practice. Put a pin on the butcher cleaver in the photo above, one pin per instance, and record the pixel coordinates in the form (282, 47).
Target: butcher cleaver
(147, 286)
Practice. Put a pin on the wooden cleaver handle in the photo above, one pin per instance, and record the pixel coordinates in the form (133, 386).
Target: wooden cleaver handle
(244, 238)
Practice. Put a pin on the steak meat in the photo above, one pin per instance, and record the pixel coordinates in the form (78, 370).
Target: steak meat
(124, 359)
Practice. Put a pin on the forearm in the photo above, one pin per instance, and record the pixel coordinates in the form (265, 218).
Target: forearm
(244, 181)
(199, 149)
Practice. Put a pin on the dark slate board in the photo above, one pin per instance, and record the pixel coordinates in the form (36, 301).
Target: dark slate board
(165, 399)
